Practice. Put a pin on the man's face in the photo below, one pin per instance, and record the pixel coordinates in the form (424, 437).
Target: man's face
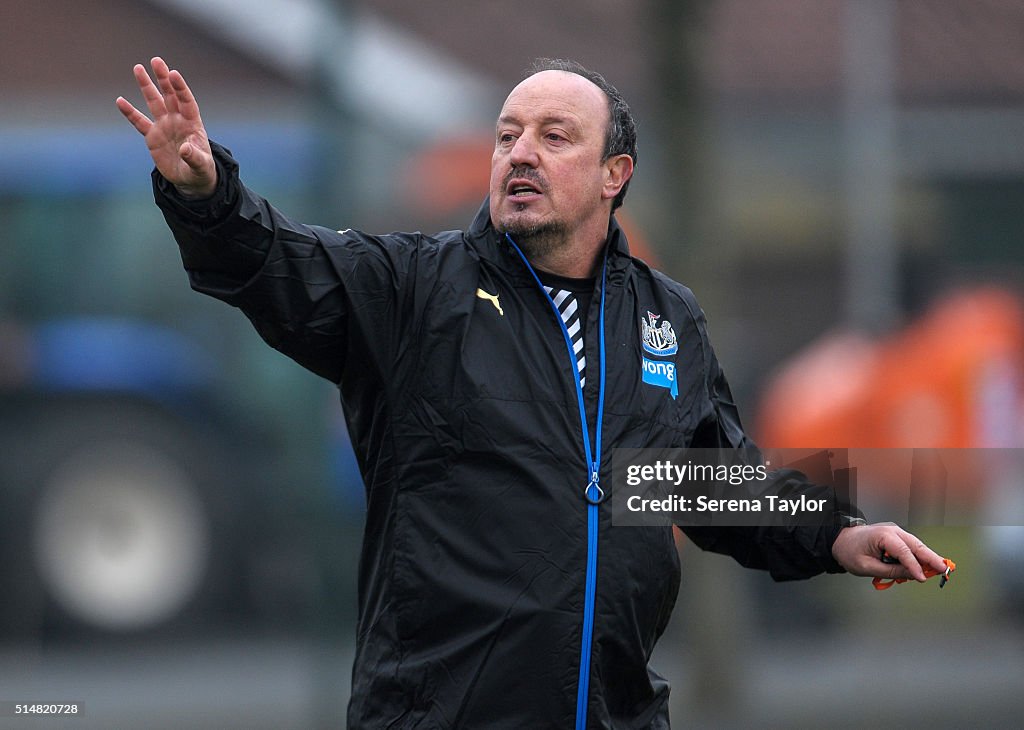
(547, 174)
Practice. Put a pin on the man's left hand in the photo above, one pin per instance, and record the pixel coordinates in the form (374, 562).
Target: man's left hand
(859, 549)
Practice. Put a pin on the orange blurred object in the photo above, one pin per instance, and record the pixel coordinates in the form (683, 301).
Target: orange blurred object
(881, 583)
(950, 380)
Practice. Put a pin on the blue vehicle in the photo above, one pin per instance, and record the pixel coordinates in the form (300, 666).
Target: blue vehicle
(161, 467)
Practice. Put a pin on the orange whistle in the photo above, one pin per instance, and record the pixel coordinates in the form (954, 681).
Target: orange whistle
(881, 584)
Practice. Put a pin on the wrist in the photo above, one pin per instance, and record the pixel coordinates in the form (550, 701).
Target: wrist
(196, 194)
(845, 523)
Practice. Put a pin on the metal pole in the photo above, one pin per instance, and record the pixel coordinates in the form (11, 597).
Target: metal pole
(872, 257)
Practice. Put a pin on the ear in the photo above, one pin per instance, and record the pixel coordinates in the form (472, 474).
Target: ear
(617, 171)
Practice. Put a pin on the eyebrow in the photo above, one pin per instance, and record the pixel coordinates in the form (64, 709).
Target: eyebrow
(550, 119)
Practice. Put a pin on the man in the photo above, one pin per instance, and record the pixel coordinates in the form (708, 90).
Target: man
(486, 376)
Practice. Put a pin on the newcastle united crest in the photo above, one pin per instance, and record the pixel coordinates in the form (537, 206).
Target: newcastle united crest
(658, 340)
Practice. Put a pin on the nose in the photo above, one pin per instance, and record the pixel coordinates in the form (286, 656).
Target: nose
(524, 152)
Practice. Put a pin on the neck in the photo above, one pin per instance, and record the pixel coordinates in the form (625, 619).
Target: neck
(568, 262)
(577, 258)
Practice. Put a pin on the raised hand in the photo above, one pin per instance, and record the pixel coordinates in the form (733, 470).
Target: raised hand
(175, 135)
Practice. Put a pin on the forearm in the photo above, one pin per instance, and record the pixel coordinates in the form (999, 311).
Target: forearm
(785, 548)
(214, 242)
(787, 553)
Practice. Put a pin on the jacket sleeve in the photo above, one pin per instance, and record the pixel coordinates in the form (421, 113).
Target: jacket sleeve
(788, 553)
(332, 301)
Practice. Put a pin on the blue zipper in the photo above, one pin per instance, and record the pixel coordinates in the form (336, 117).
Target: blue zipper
(592, 492)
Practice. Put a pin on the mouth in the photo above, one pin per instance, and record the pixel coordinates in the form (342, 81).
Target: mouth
(521, 189)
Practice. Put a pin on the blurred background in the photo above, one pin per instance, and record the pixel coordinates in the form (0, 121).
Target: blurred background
(841, 182)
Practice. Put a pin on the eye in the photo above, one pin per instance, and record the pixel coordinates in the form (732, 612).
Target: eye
(554, 137)
(506, 138)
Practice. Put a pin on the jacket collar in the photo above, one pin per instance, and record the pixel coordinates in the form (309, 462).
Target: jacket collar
(495, 248)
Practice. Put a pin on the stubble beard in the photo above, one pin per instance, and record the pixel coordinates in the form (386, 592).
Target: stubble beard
(537, 240)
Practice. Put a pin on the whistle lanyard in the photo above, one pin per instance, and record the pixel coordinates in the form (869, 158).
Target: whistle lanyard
(592, 493)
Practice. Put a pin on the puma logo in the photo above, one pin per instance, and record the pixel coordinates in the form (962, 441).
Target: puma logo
(492, 298)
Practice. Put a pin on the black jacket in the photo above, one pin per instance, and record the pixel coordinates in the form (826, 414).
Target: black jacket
(465, 421)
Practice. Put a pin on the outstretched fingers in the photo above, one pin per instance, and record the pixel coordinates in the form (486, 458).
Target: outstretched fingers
(185, 102)
(173, 130)
(154, 99)
(162, 73)
(136, 118)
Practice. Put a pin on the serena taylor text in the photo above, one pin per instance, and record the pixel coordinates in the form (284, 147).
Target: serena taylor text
(703, 503)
